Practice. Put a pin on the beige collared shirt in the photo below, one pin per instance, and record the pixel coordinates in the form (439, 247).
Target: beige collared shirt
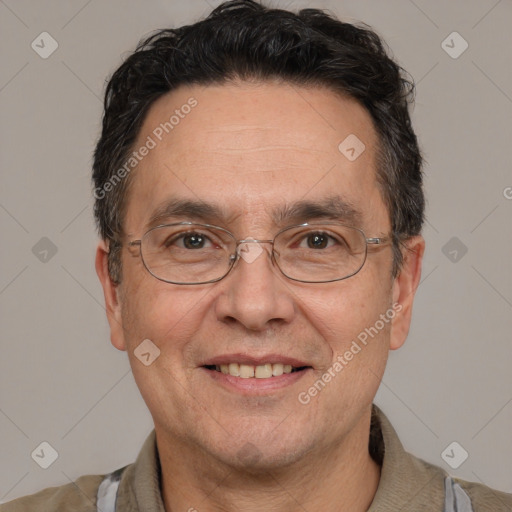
(407, 484)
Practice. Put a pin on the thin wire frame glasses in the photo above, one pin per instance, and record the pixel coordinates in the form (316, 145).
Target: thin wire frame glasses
(188, 253)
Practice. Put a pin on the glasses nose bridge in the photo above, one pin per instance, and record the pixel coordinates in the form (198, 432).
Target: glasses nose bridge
(253, 241)
(250, 240)
(248, 255)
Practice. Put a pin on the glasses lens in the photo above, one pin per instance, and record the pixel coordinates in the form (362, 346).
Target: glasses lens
(187, 253)
(320, 252)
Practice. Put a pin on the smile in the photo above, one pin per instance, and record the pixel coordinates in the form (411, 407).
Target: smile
(261, 371)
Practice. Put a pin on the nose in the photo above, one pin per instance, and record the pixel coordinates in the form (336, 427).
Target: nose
(255, 294)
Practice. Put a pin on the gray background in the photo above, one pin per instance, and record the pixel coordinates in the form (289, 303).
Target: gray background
(60, 379)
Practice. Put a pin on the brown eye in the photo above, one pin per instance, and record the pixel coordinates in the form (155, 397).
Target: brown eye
(194, 241)
(317, 241)
(191, 240)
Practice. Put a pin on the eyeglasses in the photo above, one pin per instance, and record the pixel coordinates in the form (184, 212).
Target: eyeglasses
(189, 253)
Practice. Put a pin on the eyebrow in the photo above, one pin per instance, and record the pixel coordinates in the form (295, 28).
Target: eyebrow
(333, 208)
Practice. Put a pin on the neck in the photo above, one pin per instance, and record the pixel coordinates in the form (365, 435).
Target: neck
(339, 479)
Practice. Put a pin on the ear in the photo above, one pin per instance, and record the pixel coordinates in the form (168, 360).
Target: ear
(404, 288)
(111, 293)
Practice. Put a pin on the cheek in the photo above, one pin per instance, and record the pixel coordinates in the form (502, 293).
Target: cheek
(169, 318)
(348, 317)
(353, 327)
(161, 312)
(344, 310)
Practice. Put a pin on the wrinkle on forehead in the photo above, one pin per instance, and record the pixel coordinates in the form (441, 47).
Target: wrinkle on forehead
(255, 148)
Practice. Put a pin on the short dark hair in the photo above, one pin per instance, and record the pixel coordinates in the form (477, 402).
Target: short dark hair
(243, 40)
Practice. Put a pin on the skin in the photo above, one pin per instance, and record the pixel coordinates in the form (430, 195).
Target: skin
(251, 147)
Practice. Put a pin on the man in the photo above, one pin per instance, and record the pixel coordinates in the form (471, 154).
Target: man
(259, 197)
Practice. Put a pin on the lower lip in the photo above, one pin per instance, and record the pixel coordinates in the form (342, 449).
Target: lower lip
(255, 386)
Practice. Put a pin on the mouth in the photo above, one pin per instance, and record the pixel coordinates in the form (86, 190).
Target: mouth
(255, 375)
(260, 371)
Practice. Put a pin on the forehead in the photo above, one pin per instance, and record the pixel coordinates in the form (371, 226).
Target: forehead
(253, 148)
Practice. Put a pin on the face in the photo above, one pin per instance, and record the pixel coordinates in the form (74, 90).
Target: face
(249, 151)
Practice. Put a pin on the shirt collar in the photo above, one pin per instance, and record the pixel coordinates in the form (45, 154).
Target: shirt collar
(406, 482)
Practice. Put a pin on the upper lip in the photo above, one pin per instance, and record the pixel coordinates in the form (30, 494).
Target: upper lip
(254, 361)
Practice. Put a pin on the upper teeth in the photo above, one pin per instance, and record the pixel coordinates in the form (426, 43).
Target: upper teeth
(262, 371)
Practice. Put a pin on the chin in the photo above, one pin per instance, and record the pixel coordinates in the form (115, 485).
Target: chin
(254, 456)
